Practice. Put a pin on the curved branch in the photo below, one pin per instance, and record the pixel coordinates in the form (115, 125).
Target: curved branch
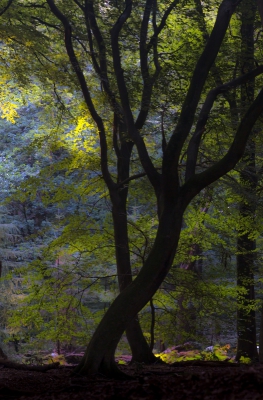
(115, 31)
(79, 5)
(101, 67)
(143, 40)
(192, 151)
(131, 178)
(147, 79)
(144, 51)
(203, 66)
(199, 181)
(85, 91)
(158, 29)
(230, 97)
(6, 7)
(133, 132)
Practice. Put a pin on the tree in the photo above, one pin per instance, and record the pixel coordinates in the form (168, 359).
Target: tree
(172, 195)
(127, 64)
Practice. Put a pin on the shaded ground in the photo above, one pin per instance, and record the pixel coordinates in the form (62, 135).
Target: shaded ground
(155, 382)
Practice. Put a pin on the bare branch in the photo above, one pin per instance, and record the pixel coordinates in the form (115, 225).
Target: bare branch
(199, 181)
(132, 178)
(148, 80)
(79, 5)
(6, 7)
(203, 66)
(101, 65)
(123, 92)
(230, 97)
(143, 40)
(85, 91)
(45, 23)
(158, 29)
(194, 143)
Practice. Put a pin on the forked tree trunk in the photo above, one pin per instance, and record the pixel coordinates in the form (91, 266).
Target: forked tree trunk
(99, 356)
(141, 352)
(140, 349)
(172, 198)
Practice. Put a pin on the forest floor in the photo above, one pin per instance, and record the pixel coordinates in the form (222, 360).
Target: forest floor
(186, 381)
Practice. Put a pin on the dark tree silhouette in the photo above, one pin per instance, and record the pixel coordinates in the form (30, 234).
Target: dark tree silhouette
(173, 194)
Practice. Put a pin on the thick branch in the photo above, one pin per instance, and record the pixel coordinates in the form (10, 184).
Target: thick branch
(143, 39)
(101, 67)
(6, 7)
(260, 10)
(79, 5)
(214, 70)
(85, 91)
(144, 52)
(133, 132)
(162, 24)
(192, 151)
(198, 182)
(115, 135)
(117, 62)
(147, 80)
(203, 66)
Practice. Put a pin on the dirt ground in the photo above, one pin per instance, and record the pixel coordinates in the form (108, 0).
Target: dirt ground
(185, 381)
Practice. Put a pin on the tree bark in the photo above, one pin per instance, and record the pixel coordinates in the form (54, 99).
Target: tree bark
(141, 352)
(246, 318)
(261, 337)
(246, 321)
(99, 356)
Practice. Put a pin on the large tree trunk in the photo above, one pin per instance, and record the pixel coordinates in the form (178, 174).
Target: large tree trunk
(99, 356)
(141, 352)
(246, 322)
(172, 196)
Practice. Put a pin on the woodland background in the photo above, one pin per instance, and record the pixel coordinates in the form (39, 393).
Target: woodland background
(57, 247)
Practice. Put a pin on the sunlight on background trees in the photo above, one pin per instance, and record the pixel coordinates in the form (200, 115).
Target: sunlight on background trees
(121, 123)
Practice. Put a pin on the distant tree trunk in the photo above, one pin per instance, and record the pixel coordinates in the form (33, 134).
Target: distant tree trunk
(186, 315)
(246, 320)
(261, 337)
(260, 10)
(2, 354)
